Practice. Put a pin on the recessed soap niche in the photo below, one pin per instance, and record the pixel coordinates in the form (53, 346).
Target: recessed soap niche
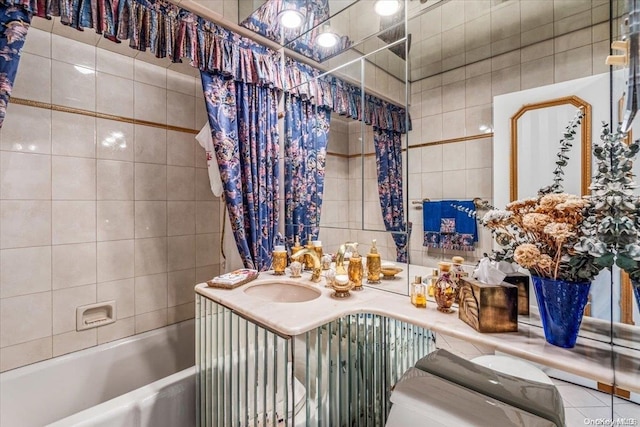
(94, 315)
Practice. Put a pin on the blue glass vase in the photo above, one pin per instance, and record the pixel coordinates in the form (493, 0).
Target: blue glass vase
(561, 304)
(636, 291)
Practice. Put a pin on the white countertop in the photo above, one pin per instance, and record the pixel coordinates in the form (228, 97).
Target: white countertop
(589, 358)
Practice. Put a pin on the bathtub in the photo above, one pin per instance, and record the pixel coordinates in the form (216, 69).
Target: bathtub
(145, 380)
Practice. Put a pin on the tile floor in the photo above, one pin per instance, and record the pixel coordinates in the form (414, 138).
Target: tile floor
(582, 405)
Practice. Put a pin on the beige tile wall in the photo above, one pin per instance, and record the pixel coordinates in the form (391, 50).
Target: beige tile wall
(95, 210)
(458, 102)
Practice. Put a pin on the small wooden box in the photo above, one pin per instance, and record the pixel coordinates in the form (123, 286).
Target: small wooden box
(522, 282)
(488, 308)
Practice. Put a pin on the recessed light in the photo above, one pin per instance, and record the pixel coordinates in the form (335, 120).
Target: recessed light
(386, 7)
(290, 18)
(327, 38)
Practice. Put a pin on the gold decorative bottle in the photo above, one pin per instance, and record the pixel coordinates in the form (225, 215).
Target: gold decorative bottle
(355, 269)
(418, 293)
(317, 246)
(296, 247)
(374, 265)
(279, 260)
(432, 283)
(445, 290)
(308, 261)
(457, 273)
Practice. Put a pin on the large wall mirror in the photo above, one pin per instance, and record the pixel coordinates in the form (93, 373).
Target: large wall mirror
(535, 130)
(362, 198)
(468, 68)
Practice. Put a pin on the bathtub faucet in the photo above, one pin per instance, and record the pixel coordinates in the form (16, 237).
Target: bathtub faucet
(315, 272)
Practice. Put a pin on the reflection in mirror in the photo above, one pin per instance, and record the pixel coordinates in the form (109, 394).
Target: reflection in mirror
(305, 146)
(626, 308)
(351, 204)
(531, 167)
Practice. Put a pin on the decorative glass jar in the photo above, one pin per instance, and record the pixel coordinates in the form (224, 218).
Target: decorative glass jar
(445, 289)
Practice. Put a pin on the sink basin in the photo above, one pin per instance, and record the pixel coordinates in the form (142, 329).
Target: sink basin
(282, 292)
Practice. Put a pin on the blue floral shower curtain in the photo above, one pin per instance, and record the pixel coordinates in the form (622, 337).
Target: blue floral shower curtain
(388, 145)
(14, 23)
(307, 133)
(244, 125)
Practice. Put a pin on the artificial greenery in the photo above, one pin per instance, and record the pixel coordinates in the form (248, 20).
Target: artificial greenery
(612, 225)
(566, 143)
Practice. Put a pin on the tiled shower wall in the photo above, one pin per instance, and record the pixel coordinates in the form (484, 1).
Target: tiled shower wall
(95, 209)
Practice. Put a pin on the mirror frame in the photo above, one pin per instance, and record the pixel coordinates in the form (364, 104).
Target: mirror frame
(585, 137)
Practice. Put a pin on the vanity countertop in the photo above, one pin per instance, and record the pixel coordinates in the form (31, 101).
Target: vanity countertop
(589, 358)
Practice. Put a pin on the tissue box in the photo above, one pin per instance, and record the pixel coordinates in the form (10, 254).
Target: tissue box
(522, 282)
(488, 308)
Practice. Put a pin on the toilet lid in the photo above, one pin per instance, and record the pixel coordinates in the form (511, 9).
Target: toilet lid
(514, 367)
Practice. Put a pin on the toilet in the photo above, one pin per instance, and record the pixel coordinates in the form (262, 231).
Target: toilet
(446, 390)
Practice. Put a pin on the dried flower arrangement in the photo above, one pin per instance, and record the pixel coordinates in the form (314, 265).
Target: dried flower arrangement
(541, 233)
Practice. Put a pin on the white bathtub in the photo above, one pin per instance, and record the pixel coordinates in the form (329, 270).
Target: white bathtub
(145, 380)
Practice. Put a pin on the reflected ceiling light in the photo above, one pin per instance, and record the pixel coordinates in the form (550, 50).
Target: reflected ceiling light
(83, 70)
(386, 7)
(290, 18)
(327, 38)
(485, 128)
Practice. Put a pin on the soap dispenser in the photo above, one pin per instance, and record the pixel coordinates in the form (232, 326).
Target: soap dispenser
(355, 268)
(374, 265)
(296, 247)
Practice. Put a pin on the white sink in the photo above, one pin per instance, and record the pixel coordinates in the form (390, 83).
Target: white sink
(279, 291)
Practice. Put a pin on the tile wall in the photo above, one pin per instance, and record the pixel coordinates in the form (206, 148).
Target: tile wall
(94, 209)
(458, 103)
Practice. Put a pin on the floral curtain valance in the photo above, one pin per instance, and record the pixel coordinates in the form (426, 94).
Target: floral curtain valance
(344, 98)
(169, 31)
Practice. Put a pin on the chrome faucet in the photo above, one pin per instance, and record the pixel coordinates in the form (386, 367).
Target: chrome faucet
(315, 272)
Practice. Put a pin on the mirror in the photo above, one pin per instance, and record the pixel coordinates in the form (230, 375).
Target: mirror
(351, 207)
(535, 129)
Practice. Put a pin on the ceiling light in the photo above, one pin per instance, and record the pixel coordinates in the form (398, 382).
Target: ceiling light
(327, 38)
(290, 18)
(386, 7)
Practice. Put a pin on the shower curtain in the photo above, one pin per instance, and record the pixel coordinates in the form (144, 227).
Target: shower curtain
(244, 126)
(307, 132)
(230, 256)
(388, 145)
(14, 24)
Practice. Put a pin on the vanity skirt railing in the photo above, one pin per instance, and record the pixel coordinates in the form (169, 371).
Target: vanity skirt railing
(338, 374)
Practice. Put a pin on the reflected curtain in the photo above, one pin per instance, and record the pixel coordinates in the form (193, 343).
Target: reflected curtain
(244, 126)
(14, 21)
(307, 133)
(388, 145)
